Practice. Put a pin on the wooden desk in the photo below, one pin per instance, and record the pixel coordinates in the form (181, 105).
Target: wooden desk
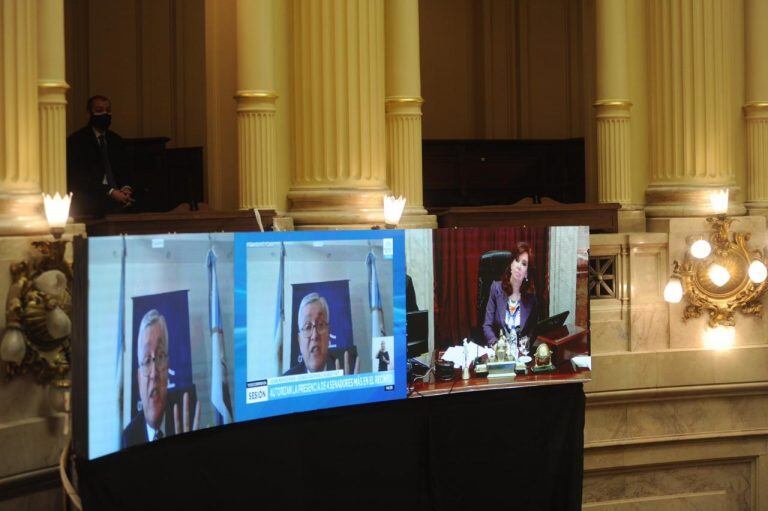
(563, 374)
(178, 220)
(599, 217)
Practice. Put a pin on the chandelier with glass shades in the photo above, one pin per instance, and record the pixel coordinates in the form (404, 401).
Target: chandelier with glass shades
(719, 275)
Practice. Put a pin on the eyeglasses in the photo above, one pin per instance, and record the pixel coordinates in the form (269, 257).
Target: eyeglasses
(160, 360)
(321, 327)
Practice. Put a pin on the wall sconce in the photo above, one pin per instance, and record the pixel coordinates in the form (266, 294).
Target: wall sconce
(39, 303)
(719, 276)
(57, 212)
(393, 210)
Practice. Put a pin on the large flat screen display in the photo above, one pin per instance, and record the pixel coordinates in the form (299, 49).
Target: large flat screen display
(319, 320)
(160, 330)
(197, 330)
(191, 331)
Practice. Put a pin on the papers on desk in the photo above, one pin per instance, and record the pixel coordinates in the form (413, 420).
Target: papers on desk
(458, 356)
(583, 361)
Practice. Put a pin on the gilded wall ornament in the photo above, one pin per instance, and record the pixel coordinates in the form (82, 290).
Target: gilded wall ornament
(723, 281)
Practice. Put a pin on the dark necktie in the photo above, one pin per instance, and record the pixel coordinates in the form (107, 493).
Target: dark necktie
(158, 435)
(105, 162)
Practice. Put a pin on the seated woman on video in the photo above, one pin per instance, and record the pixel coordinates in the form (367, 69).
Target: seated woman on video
(512, 304)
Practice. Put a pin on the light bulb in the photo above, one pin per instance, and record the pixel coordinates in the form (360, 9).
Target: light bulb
(720, 337)
(12, 346)
(57, 209)
(719, 201)
(718, 275)
(757, 272)
(673, 291)
(393, 209)
(701, 249)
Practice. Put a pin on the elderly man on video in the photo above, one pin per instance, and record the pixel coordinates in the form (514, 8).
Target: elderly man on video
(314, 334)
(155, 421)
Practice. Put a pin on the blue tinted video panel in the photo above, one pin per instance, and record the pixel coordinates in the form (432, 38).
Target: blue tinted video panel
(319, 320)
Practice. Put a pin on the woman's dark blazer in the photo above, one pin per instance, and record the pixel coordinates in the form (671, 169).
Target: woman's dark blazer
(496, 310)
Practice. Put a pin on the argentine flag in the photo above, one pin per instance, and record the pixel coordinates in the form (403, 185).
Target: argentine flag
(219, 387)
(279, 312)
(120, 343)
(374, 298)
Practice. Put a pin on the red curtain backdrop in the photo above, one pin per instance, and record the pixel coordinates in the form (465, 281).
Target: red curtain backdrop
(456, 261)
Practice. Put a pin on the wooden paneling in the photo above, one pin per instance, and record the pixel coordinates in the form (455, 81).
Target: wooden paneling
(147, 56)
(514, 68)
(477, 173)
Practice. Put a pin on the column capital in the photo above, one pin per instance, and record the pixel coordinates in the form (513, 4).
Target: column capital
(410, 100)
(256, 94)
(612, 108)
(255, 101)
(756, 110)
(613, 103)
(403, 105)
(52, 84)
(52, 92)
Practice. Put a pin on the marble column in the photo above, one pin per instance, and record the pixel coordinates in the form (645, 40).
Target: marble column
(20, 198)
(692, 73)
(403, 108)
(612, 113)
(756, 108)
(256, 97)
(52, 96)
(339, 172)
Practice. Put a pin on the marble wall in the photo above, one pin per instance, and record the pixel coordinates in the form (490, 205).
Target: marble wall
(670, 423)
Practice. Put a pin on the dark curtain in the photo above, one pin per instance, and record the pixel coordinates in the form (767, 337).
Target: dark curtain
(456, 260)
(516, 449)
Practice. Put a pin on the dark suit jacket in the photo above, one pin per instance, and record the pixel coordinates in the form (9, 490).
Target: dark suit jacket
(383, 360)
(85, 172)
(136, 431)
(496, 311)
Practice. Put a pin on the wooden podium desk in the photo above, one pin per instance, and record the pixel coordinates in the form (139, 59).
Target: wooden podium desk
(564, 373)
(566, 342)
(599, 217)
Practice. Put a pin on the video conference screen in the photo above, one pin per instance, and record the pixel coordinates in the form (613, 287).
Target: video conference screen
(319, 320)
(193, 331)
(526, 284)
(198, 330)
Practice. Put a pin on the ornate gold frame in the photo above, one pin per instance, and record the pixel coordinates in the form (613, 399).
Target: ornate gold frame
(739, 293)
(32, 308)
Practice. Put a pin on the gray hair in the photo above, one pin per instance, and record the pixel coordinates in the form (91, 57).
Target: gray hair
(312, 298)
(150, 318)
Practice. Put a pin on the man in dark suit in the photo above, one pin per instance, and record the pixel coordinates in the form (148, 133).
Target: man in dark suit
(155, 421)
(314, 334)
(96, 164)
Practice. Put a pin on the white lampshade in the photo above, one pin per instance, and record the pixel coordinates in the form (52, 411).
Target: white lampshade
(12, 346)
(720, 337)
(719, 201)
(393, 209)
(757, 272)
(701, 249)
(718, 274)
(57, 209)
(673, 291)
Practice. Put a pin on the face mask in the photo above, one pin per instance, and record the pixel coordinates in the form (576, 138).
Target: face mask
(101, 122)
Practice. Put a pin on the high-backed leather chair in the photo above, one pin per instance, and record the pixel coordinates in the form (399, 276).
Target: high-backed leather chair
(492, 266)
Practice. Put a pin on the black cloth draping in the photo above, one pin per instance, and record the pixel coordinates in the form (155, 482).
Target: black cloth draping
(506, 449)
